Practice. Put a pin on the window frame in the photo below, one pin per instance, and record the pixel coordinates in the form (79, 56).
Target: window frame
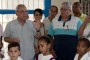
(47, 4)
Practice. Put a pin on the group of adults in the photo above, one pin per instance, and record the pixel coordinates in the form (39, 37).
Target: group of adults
(65, 30)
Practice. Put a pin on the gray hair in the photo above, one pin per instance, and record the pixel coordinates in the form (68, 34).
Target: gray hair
(18, 6)
(68, 5)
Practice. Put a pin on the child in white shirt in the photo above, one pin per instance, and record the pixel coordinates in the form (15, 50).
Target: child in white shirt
(82, 49)
(14, 51)
(45, 47)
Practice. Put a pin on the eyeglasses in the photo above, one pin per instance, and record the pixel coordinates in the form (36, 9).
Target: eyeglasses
(23, 11)
(63, 9)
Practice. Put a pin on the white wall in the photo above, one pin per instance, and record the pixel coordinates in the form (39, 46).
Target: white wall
(59, 2)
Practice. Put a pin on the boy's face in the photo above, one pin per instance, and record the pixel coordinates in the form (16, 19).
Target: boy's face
(14, 53)
(44, 47)
(81, 48)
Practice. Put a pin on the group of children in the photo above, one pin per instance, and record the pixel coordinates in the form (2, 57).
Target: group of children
(45, 46)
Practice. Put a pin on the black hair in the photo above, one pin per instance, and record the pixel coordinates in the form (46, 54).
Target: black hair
(14, 44)
(38, 10)
(48, 40)
(86, 41)
(54, 7)
(77, 4)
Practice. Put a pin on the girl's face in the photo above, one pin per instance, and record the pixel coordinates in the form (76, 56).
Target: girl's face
(81, 48)
(37, 16)
(14, 53)
(44, 47)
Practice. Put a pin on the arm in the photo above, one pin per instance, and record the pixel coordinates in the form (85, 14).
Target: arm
(38, 34)
(37, 28)
(10, 40)
(83, 26)
(8, 34)
(81, 30)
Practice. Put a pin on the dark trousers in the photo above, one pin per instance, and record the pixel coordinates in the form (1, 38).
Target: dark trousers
(65, 47)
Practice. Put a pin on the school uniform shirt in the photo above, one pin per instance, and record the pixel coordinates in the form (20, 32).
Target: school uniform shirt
(19, 58)
(47, 57)
(84, 57)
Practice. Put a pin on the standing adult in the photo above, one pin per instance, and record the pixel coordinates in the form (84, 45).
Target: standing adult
(77, 11)
(22, 31)
(64, 29)
(38, 13)
(52, 13)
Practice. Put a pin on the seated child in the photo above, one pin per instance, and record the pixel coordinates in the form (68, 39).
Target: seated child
(82, 49)
(14, 51)
(46, 49)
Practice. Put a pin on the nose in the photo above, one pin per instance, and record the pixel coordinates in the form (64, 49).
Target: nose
(13, 53)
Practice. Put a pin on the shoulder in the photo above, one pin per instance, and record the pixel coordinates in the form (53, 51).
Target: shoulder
(12, 22)
(29, 21)
(84, 15)
(40, 55)
(75, 18)
(45, 20)
(19, 58)
(85, 56)
(52, 58)
(55, 19)
(76, 57)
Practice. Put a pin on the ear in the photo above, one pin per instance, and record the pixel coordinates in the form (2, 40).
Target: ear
(49, 45)
(19, 53)
(16, 13)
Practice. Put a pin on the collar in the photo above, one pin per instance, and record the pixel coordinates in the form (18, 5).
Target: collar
(19, 23)
(60, 18)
